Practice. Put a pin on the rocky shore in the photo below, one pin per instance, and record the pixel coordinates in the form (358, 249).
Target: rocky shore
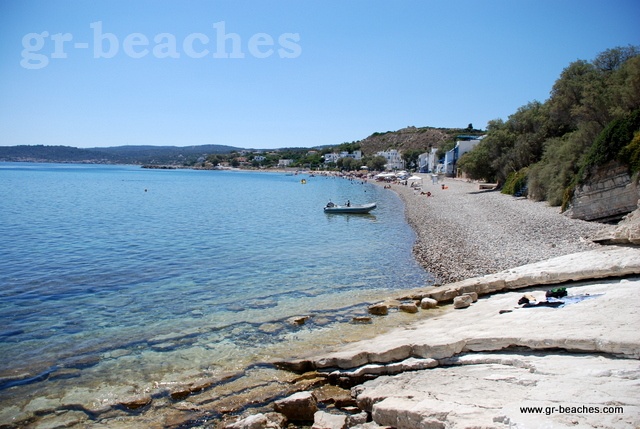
(507, 355)
(501, 361)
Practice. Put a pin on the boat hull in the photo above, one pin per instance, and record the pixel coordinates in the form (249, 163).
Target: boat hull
(353, 209)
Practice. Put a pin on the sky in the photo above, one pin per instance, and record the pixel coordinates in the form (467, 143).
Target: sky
(273, 74)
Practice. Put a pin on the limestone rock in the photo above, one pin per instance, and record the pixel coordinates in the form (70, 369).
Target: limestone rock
(609, 261)
(180, 392)
(627, 231)
(408, 307)
(357, 419)
(324, 420)
(482, 327)
(463, 301)
(410, 364)
(62, 419)
(298, 320)
(427, 303)
(256, 421)
(380, 309)
(473, 295)
(607, 192)
(361, 319)
(300, 406)
(276, 421)
(591, 324)
(330, 394)
(260, 421)
(488, 389)
(136, 402)
(370, 425)
(299, 366)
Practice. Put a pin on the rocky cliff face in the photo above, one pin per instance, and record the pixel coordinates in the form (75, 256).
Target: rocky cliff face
(607, 195)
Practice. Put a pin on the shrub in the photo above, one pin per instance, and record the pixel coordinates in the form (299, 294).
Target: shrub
(560, 163)
(516, 182)
(477, 163)
(630, 154)
(612, 141)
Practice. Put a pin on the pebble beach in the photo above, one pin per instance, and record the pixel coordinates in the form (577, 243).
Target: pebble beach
(465, 232)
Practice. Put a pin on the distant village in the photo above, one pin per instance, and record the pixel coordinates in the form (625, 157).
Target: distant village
(344, 157)
(427, 162)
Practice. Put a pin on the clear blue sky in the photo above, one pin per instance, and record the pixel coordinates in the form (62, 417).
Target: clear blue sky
(310, 72)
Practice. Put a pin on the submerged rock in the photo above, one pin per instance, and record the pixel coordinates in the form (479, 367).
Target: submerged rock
(330, 394)
(408, 307)
(380, 309)
(136, 402)
(298, 320)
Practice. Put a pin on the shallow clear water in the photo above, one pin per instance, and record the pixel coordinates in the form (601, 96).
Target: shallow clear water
(183, 272)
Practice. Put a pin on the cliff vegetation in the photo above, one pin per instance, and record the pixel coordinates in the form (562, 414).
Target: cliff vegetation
(546, 148)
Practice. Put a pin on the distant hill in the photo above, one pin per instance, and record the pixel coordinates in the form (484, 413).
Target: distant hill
(40, 153)
(112, 155)
(163, 154)
(413, 138)
(405, 139)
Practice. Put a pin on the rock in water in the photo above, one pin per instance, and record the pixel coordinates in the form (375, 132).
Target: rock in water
(427, 303)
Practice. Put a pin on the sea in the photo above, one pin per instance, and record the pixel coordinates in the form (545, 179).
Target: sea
(116, 278)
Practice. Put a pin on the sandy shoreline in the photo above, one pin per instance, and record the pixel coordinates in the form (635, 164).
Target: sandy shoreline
(463, 232)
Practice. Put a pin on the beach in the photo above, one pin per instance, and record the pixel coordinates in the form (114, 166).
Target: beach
(465, 232)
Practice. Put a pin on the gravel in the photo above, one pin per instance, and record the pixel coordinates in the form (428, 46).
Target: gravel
(463, 232)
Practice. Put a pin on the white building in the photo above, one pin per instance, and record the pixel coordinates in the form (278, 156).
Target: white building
(394, 159)
(331, 157)
(427, 161)
(284, 162)
(334, 157)
(451, 157)
(356, 154)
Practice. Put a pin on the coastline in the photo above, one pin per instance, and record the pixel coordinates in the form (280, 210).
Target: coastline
(492, 363)
(463, 232)
(458, 244)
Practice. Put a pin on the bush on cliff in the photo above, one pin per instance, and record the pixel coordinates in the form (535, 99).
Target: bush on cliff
(631, 154)
(613, 141)
(590, 118)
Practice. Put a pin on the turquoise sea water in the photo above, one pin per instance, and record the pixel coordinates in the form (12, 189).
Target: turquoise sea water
(159, 266)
